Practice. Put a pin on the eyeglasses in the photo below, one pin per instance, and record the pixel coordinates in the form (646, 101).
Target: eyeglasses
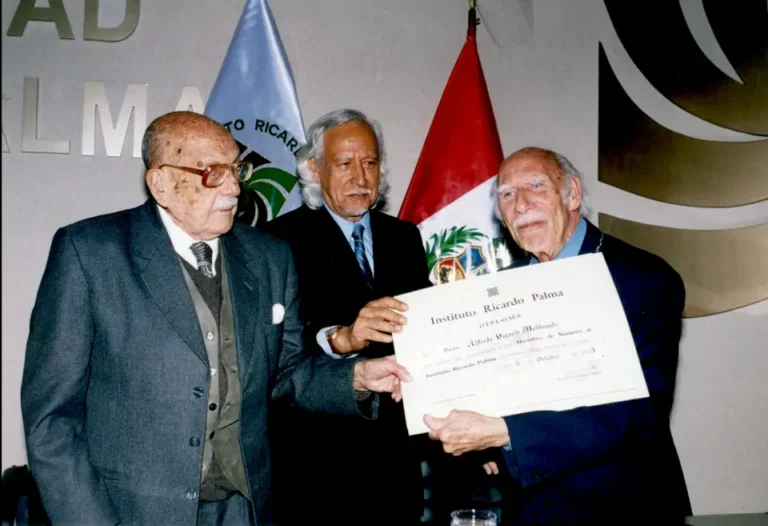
(215, 174)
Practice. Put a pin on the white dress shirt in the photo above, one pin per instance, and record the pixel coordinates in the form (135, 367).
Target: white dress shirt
(182, 241)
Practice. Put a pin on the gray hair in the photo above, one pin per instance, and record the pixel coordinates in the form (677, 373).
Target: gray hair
(149, 145)
(311, 192)
(567, 169)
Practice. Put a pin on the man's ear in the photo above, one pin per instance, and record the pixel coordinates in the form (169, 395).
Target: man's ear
(158, 183)
(574, 196)
(312, 165)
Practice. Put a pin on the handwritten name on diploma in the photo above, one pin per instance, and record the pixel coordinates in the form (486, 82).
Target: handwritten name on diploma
(550, 336)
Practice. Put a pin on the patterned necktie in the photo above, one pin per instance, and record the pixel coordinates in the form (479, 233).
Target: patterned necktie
(204, 255)
(357, 236)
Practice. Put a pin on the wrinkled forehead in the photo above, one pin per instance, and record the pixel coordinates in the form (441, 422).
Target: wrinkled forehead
(528, 168)
(200, 147)
(357, 135)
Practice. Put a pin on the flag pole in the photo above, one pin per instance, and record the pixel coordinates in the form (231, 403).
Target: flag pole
(472, 19)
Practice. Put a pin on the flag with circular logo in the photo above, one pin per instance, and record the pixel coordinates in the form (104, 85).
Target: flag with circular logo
(254, 96)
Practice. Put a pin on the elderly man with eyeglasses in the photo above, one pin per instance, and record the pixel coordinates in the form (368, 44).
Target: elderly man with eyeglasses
(159, 337)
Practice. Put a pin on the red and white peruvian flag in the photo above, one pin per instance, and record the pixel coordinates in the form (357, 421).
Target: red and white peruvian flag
(449, 196)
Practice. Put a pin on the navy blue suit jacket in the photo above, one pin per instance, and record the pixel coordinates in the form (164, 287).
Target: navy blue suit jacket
(616, 461)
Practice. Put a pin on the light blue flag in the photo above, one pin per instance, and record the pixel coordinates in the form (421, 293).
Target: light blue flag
(255, 98)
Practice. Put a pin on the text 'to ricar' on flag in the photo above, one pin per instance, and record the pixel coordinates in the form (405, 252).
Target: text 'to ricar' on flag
(254, 96)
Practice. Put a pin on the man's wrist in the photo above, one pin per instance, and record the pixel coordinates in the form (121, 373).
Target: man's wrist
(502, 433)
(357, 384)
(340, 340)
(332, 337)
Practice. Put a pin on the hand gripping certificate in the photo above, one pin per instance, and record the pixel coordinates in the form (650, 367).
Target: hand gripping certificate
(546, 337)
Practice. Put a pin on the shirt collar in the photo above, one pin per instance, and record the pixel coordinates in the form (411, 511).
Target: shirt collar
(181, 241)
(573, 246)
(347, 226)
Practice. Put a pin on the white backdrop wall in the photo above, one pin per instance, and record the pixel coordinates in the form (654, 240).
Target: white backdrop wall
(390, 59)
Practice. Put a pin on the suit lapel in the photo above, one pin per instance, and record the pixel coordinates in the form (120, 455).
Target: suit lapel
(244, 288)
(591, 240)
(340, 256)
(384, 248)
(161, 272)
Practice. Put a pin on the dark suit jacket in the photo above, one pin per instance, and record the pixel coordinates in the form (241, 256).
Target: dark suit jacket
(617, 461)
(114, 391)
(333, 292)
(332, 285)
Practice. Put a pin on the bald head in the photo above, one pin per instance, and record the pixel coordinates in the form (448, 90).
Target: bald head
(178, 148)
(166, 136)
(532, 154)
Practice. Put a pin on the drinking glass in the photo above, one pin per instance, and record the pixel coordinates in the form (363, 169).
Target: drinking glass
(473, 518)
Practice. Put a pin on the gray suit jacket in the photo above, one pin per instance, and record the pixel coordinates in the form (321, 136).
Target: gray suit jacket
(114, 392)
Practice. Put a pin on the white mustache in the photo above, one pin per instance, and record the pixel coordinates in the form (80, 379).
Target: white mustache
(533, 216)
(359, 191)
(225, 202)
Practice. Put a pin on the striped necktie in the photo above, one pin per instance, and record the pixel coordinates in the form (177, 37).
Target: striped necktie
(357, 236)
(204, 255)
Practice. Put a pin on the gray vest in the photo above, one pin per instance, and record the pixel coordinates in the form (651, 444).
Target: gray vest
(223, 467)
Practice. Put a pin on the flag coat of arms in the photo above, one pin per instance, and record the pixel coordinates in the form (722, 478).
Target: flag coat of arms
(449, 196)
(254, 96)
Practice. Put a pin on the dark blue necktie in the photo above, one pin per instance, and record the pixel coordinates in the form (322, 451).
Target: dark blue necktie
(357, 236)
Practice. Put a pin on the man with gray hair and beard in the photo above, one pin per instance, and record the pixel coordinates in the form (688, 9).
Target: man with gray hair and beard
(608, 464)
(351, 259)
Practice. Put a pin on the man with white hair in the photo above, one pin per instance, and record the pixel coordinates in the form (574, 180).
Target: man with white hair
(351, 259)
(606, 464)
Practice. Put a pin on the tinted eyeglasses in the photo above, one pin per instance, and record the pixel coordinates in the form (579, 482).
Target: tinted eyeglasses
(215, 174)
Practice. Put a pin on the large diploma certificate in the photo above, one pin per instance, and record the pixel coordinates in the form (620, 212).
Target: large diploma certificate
(551, 336)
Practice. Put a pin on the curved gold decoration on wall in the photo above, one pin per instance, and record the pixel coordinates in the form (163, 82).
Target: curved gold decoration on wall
(638, 155)
(672, 61)
(722, 269)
